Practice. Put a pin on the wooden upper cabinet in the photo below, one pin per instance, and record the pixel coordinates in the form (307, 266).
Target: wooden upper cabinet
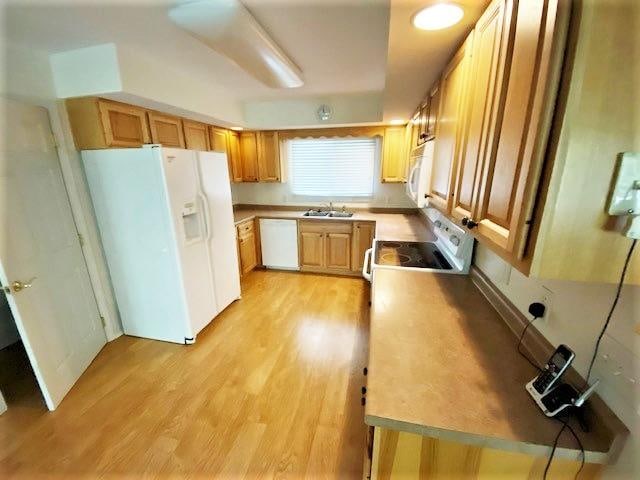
(433, 112)
(166, 130)
(363, 233)
(234, 156)
(394, 158)
(423, 122)
(268, 156)
(486, 97)
(98, 123)
(218, 141)
(510, 173)
(196, 135)
(447, 147)
(249, 155)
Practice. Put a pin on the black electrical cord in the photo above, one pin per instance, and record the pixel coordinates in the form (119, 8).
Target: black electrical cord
(573, 432)
(553, 449)
(613, 307)
(526, 357)
(565, 424)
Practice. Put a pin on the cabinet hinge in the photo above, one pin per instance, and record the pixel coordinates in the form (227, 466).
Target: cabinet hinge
(103, 321)
(81, 239)
(54, 140)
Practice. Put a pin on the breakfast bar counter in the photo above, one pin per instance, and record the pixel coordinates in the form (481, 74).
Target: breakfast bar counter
(444, 365)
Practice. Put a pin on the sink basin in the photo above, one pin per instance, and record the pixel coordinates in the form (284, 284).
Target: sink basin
(315, 213)
(340, 214)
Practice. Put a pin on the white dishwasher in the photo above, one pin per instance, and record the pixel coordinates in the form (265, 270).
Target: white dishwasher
(279, 241)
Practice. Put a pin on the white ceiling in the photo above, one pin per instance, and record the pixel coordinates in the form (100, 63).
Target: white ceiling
(416, 57)
(341, 45)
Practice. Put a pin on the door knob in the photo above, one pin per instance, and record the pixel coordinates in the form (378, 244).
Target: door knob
(18, 286)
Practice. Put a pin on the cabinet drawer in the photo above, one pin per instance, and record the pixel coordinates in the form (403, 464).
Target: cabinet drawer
(323, 226)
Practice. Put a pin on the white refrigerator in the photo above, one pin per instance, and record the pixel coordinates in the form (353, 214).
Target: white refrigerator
(166, 221)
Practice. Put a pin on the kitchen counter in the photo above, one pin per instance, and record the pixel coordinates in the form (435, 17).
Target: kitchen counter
(443, 364)
(389, 226)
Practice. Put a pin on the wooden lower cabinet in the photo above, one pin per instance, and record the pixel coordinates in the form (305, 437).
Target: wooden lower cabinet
(408, 456)
(331, 247)
(338, 251)
(363, 233)
(247, 246)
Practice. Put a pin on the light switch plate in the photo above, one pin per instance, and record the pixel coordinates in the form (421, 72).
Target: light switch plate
(622, 200)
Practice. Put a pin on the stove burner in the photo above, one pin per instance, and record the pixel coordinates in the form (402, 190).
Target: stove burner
(411, 254)
(394, 258)
(391, 244)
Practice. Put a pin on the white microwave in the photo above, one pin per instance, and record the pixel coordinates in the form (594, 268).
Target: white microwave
(420, 174)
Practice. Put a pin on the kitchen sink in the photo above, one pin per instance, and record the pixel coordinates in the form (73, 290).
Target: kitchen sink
(340, 214)
(325, 213)
(316, 213)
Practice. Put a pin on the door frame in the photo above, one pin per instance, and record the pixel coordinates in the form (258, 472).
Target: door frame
(84, 218)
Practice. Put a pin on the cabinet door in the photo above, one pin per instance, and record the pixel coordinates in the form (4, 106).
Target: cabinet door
(166, 130)
(432, 114)
(249, 155)
(234, 157)
(218, 139)
(424, 114)
(196, 136)
(312, 249)
(338, 251)
(363, 233)
(248, 255)
(393, 157)
(510, 177)
(124, 125)
(447, 145)
(486, 92)
(268, 157)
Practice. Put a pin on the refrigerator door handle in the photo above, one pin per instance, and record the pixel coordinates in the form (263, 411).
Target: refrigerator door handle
(207, 214)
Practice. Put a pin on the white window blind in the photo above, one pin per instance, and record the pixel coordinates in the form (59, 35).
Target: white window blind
(332, 167)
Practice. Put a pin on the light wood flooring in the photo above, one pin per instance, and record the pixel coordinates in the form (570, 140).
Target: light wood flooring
(271, 389)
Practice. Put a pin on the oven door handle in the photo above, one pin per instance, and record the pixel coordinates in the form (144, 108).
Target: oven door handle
(365, 266)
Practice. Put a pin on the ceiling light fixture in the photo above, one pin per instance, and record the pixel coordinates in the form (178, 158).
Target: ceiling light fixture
(438, 16)
(229, 28)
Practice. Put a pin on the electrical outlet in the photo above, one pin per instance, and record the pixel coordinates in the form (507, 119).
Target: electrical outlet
(544, 296)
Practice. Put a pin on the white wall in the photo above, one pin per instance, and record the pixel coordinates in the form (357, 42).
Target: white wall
(385, 195)
(29, 78)
(575, 316)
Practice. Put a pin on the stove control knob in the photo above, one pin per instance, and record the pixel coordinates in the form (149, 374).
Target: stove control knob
(438, 224)
(455, 240)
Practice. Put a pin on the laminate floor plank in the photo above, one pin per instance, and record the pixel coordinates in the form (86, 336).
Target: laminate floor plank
(271, 389)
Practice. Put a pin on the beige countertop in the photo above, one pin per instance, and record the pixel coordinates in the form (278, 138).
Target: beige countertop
(389, 226)
(442, 363)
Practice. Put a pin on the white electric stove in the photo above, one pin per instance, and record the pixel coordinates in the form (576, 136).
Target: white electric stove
(450, 253)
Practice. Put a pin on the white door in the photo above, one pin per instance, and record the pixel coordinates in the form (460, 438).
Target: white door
(55, 311)
(188, 209)
(223, 252)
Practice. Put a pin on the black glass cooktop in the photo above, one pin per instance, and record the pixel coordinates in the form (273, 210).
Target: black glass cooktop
(410, 254)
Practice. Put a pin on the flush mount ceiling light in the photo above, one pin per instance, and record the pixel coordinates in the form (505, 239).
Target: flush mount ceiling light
(229, 28)
(437, 17)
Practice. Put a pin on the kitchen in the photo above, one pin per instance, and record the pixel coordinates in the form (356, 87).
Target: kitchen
(366, 283)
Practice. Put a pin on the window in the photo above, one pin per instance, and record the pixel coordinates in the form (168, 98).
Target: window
(332, 167)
